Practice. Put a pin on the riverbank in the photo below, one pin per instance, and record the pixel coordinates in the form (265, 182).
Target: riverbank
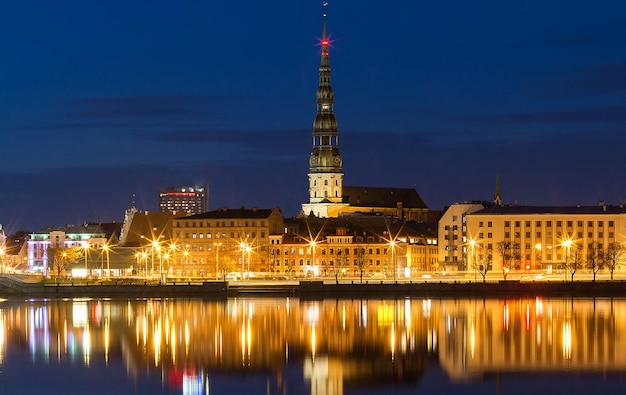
(16, 289)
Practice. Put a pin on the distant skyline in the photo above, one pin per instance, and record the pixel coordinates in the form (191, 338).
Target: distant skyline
(102, 101)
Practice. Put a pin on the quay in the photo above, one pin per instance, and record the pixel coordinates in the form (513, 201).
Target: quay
(18, 288)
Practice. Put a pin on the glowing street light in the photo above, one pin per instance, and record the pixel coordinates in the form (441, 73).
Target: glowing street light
(392, 244)
(86, 248)
(217, 258)
(567, 243)
(105, 250)
(313, 244)
(242, 247)
(472, 244)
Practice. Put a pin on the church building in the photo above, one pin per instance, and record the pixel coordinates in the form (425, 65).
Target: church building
(328, 197)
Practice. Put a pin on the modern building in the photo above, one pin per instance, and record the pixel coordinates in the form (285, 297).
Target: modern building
(328, 197)
(221, 243)
(452, 234)
(85, 237)
(187, 199)
(543, 238)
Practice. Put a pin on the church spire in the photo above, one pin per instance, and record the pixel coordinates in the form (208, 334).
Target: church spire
(497, 195)
(325, 163)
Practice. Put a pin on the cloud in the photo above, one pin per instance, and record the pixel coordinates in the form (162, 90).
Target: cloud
(603, 115)
(150, 106)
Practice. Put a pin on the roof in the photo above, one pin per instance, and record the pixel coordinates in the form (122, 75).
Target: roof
(358, 226)
(253, 213)
(382, 197)
(148, 226)
(573, 210)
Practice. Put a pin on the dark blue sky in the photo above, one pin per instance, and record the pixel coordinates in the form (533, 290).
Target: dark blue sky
(100, 101)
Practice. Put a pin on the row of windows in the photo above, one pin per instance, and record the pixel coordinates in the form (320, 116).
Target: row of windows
(538, 235)
(548, 224)
(225, 247)
(222, 235)
(331, 251)
(355, 262)
(218, 224)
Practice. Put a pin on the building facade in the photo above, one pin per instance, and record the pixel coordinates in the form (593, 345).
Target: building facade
(453, 236)
(543, 238)
(187, 199)
(223, 243)
(84, 237)
(353, 247)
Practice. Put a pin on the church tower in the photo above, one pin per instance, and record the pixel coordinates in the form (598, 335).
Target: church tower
(325, 164)
(497, 195)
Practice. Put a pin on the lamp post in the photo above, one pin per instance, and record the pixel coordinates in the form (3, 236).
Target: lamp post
(217, 258)
(567, 244)
(155, 246)
(313, 243)
(86, 248)
(392, 243)
(472, 244)
(248, 249)
(537, 255)
(243, 258)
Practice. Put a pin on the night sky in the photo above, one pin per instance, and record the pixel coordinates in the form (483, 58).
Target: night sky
(103, 100)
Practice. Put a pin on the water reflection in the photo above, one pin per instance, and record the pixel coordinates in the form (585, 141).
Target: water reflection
(288, 346)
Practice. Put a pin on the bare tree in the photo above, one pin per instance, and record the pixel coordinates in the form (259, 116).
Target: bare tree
(63, 258)
(594, 259)
(613, 257)
(361, 259)
(485, 264)
(575, 263)
(504, 249)
(339, 268)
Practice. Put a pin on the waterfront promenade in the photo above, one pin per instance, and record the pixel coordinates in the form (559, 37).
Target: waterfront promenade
(19, 288)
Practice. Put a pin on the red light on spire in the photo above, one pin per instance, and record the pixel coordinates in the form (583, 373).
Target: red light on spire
(324, 42)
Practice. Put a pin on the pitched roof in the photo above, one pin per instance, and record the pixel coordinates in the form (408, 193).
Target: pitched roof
(382, 197)
(526, 210)
(253, 213)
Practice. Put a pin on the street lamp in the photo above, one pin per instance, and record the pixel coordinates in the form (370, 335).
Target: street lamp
(313, 244)
(105, 250)
(86, 248)
(242, 247)
(567, 243)
(537, 255)
(472, 244)
(392, 243)
(217, 258)
(248, 249)
(155, 245)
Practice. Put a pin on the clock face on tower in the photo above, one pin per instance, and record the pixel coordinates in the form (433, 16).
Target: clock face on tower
(314, 160)
(337, 160)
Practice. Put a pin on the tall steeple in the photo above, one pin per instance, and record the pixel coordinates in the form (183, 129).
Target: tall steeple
(325, 164)
(497, 195)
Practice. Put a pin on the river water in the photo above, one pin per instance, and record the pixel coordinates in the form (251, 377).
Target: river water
(325, 347)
